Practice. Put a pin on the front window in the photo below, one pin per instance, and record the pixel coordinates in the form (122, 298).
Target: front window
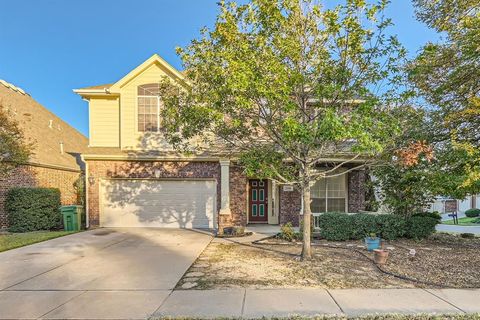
(329, 194)
(148, 107)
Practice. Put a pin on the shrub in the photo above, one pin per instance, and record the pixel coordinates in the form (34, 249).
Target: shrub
(238, 231)
(472, 213)
(287, 232)
(31, 209)
(335, 226)
(435, 215)
(363, 224)
(390, 226)
(419, 227)
(467, 235)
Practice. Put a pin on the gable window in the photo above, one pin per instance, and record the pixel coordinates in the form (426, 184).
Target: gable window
(329, 194)
(148, 107)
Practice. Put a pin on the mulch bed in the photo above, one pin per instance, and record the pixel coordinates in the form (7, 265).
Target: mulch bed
(441, 261)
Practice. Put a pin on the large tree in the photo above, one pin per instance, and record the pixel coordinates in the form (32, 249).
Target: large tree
(287, 86)
(14, 149)
(447, 76)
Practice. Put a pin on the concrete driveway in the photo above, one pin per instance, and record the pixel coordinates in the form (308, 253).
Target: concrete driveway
(98, 274)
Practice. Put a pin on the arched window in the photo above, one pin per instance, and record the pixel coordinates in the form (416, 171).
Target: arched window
(148, 107)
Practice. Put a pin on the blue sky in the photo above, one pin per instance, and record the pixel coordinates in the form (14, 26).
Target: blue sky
(49, 47)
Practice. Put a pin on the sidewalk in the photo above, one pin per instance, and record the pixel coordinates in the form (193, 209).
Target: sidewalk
(252, 303)
(457, 228)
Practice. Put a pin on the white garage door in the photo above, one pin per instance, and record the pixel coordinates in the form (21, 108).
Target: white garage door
(154, 203)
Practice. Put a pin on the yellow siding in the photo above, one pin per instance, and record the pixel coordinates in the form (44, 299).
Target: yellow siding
(104, 122)
(130, 137)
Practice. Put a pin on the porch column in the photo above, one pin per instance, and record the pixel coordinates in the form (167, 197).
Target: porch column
(225, 187)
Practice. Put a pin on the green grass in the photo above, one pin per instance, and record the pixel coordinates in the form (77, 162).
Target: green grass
(15, 240)
(464, 221)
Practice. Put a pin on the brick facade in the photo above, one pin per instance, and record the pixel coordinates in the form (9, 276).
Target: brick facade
(36, 176)
(290, 206)
(238, 199)
(289, 201)
(185, 170)
(356, 190)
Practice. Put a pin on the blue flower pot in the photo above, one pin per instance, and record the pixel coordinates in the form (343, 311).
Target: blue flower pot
(372, 243)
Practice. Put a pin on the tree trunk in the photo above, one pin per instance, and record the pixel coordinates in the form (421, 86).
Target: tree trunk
(307, 220)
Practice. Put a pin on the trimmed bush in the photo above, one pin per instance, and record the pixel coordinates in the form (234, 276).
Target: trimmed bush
(342, 227)
(435, 215)
(32, 209)
(363, 224)
(335, 226)
(472, 213)
(287, 232)
(419, 227)
(391, 226)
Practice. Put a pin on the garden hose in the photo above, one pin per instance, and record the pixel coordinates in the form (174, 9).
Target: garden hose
(399, 276)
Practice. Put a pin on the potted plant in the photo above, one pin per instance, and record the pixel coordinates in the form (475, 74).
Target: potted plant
(372, 241)
(380, 256)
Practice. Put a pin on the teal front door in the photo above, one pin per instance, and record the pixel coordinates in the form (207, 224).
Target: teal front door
(258, 201)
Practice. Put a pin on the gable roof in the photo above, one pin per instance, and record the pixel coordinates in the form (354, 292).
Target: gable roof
(113, 88)
(44, 129)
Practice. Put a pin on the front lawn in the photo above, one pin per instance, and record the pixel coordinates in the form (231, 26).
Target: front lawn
(15, 240)
(466, 221)
(440, 261)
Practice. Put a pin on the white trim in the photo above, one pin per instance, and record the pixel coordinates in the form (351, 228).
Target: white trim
(133, 157)
(142, 67)
(225, 187)
(137, 131)
(326, 195)
(101, 182)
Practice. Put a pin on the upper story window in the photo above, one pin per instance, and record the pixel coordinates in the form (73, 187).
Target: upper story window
(148, 107)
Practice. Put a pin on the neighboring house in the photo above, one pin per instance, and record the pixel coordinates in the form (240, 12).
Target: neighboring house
(447, 205)
(55, 161)
(135, 179)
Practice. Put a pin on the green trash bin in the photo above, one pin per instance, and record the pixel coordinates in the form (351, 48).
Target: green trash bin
(72, 217)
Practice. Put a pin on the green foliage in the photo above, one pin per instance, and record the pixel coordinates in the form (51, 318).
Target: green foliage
(435, 215)
(31, 209)
(472, 213)
(405, 190)
(287, 232)
(362, 225)
(420, 227)
(336, 226)
(342, 227)
(14, 149)
(390, 226)
(281, 80)
(447, 76)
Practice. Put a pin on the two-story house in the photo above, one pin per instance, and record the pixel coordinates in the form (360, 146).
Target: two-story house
(56, 147)
(136, 180)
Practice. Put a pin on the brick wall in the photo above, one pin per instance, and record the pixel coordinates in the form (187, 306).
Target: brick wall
(238, 199)
(290, 206)
(356, 190)
(33, 176)
(290, 201)
(146, 169)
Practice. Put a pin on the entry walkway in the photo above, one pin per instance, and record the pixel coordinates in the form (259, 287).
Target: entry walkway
(253, 303)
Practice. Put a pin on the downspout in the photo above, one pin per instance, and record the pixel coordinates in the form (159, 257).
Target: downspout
(87, 220)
